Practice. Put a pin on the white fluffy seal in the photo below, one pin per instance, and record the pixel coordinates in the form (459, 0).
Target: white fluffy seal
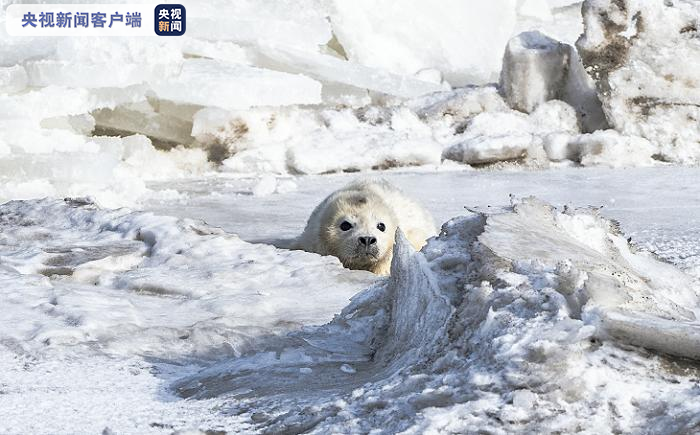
(357, 224)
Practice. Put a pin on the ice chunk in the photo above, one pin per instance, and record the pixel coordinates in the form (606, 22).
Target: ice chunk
(331, 69)
(376, 151)
(150, 118)
(537, 68)
(492, 137)
(81, 124)
(534, 70)
(209, 82)
(646, 62)
(604, 147)
(463, 40)
(480, 149)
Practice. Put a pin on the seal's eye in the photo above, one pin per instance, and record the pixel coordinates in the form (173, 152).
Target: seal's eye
(381, 227)
(345, 226)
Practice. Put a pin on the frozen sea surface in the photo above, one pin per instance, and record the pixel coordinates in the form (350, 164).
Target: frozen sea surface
(152, 321)
(657, 207)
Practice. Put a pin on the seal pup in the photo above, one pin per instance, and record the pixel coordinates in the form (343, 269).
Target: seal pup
(357, 224)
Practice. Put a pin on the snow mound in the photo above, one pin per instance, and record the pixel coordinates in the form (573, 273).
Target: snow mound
(134, 258)
(114, 303)
(307, 141)
(645, 57)
(530, 319)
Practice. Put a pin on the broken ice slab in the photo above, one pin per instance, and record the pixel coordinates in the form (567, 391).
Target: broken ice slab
(94, 75)
(332, 69)
(372, 150)
(209, 82)
(484, 149)
(53, 101)
(302, 24)
(628, 295)
(464, 40)
(222, 50)
(666, 335)
(44, 103)
(162, 126)
(82, 124)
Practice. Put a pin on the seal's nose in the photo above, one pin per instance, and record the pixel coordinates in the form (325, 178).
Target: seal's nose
(367, 240)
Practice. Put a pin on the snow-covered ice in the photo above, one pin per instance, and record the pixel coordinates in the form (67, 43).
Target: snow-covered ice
(479, 328)
(155, 307)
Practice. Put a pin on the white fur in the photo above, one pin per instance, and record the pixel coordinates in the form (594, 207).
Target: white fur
(364, 204)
